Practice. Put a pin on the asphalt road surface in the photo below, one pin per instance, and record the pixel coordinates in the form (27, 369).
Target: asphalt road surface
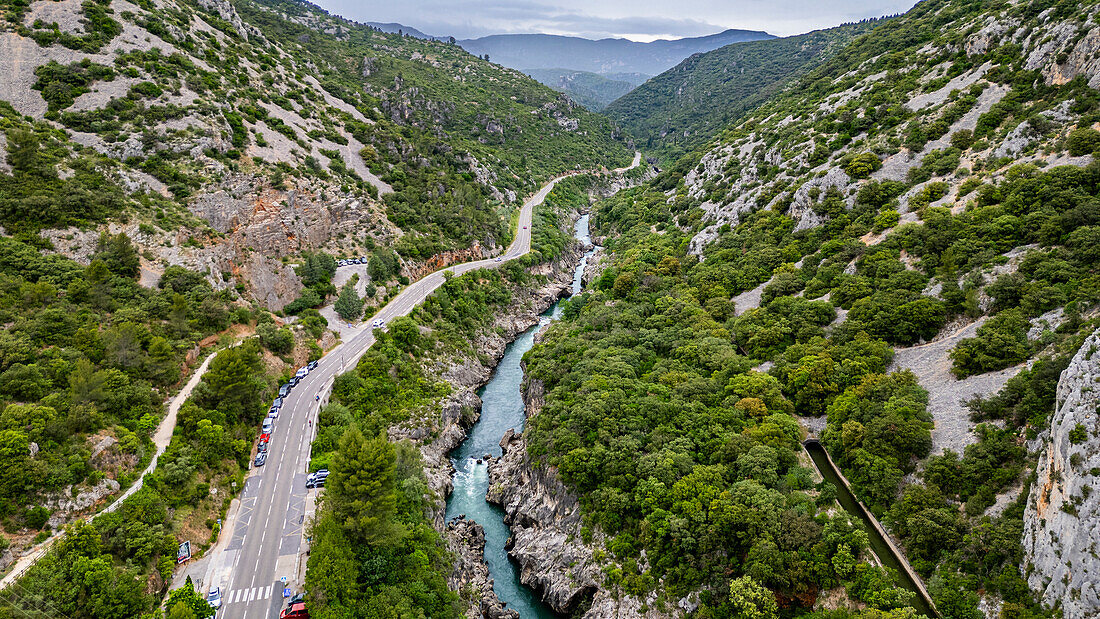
(264, 543)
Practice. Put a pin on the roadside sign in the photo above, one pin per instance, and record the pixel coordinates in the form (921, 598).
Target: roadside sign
(184, 552)
(286, 592)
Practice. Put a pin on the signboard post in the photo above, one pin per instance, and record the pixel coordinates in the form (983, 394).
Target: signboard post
(184, 552)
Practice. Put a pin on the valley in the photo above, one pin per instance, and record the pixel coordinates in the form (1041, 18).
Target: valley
(538, 325)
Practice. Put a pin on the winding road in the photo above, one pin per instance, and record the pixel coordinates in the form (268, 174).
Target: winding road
(247, 565)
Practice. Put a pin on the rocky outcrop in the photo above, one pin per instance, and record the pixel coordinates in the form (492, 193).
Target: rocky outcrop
(63, 505)
(545, 520)
(1062, 518)
(466, 541)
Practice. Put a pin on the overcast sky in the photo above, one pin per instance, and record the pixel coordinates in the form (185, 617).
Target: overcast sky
(640, 20)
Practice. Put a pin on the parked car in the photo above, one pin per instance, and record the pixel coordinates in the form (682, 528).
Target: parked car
(301, 373)
(294, 381)
(265, 437)
(317, 480)
(296, 611)
(273, 414)
(214, 598)
(297, 599)
(260, 459)
(277, 403)
(284, 389)
(268, 426)
(312, 365)
(261, 447)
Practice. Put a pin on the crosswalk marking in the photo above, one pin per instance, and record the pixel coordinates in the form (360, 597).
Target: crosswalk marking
(247, 595)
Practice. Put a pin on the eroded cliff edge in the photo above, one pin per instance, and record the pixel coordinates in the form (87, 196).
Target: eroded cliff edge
(547, 540)
(1062, 518)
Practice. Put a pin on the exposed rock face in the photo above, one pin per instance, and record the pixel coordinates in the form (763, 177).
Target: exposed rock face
(545, 520)
(466, 539)
(63, 505)
(1062, 518)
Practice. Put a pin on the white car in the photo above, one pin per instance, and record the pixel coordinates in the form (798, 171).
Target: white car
(498, 259)
(302, 371)
(378, 323)
(214, 598)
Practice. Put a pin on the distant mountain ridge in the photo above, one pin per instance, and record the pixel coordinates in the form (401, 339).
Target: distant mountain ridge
(592, 90)
(603, 56)
(396, 28)
(690, 103)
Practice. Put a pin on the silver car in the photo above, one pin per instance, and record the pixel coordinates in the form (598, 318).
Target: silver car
(214, 598)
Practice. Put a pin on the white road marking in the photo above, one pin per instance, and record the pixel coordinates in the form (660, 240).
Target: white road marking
(354, 349)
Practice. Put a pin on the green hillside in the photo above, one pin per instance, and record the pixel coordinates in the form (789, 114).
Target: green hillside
(690, 103)
(591, 90)
(896, 255)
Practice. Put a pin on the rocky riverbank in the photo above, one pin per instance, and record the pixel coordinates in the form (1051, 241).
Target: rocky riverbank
(460, 410)
(547, 543)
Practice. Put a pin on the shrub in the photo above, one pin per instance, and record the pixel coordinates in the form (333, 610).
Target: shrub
(862, 165)
(1083, 141)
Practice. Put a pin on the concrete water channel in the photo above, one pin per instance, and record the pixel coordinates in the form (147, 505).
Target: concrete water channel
(888, 554)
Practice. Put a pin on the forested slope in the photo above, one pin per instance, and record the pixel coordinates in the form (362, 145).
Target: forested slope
(686, 106)
(287, 130)
(177, 176)
(936, 176)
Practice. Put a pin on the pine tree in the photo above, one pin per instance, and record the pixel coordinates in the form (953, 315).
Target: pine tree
(361, 487)
(349, 306)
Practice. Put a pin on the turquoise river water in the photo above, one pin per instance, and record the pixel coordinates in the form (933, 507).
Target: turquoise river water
(502, 410)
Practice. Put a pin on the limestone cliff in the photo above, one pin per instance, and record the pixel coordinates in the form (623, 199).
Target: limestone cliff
(545, 520)
(1062, 518)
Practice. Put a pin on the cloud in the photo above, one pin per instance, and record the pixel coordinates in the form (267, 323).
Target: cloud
(636, 19)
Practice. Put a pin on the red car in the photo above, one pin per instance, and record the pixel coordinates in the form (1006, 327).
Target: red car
(295, 611)
(265, 438)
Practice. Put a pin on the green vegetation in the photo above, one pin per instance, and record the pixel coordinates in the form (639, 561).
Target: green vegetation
(592, 90)
(87, 354)
(374, 552)
(676, 447)
(686, 106)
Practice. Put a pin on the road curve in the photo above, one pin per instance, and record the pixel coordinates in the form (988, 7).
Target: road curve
(261, 549)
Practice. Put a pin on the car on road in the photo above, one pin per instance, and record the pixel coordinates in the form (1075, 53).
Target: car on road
(317, 480)
(269, 425)
(260, 459)
(498, 259)
(378, 323)
(294, 380)
(525, 227)
(295, 611)
(273, 412)
(284, 389)
(261, 447)
(301, 373)
(213, 598)
(297, 599)
(312, 365)
(277, 403)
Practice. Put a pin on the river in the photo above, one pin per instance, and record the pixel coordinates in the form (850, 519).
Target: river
(502, 410)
